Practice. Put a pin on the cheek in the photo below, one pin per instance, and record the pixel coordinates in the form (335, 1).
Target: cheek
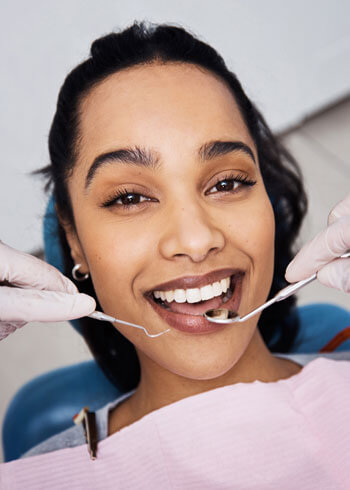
(115, 261)
(261, 249)
(262, 237)
(252, 234)
(252, 229)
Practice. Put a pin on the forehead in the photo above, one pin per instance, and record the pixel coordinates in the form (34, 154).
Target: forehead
(168, 104)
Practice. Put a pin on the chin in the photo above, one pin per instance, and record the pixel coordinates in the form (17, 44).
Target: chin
(203, 367)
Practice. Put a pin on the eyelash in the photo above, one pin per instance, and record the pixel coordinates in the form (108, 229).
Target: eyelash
(242, 179)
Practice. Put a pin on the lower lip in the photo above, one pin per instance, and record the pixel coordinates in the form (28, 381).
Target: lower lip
(197, 324)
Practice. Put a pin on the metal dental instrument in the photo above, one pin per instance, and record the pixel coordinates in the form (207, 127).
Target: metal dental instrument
(221, 315)
(225, 317)
(98, 315)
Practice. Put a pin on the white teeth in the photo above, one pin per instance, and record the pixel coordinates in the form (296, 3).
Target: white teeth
(180, 296)
(207, 292)
(217, 289)
(169, 296)
(225, 284)
(194, 295)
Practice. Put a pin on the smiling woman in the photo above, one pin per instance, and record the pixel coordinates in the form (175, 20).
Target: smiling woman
(176, 198)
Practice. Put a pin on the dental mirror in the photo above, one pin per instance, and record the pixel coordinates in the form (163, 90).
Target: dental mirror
(222, 315)
(225, 317)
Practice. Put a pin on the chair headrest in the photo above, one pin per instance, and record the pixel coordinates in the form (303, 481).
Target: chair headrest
(52, 247)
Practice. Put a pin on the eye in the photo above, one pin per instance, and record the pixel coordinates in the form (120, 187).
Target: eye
(126, 199)
(231, 183)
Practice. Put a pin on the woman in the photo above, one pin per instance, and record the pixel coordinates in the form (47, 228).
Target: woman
(174, 198)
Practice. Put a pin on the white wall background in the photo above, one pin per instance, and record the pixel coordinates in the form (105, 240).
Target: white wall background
(292, 58)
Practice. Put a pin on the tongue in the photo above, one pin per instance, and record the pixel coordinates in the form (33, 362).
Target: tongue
(195, 308)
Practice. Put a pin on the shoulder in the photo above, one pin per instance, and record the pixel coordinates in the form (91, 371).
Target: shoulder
(74, 436)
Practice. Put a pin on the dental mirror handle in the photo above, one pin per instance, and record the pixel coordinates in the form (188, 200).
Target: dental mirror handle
(287, 291)
(226, 317)
(292, 288)
(280, 296)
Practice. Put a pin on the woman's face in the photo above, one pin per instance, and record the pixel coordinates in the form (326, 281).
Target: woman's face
(174, 213)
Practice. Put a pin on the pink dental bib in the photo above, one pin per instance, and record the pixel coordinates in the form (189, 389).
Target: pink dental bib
(290, 434)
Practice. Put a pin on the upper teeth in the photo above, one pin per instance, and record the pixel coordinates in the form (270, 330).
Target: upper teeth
(196, 294)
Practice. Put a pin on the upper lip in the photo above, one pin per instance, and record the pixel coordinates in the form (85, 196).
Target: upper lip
(190, 282)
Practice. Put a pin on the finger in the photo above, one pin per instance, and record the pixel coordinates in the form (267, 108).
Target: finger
(336, 275)
(341, 209)
(26, 271)
(31, 305)
(326, 246)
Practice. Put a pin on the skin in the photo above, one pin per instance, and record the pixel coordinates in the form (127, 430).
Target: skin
(174, 109)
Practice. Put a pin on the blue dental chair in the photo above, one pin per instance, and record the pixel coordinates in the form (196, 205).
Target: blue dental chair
(45, 406)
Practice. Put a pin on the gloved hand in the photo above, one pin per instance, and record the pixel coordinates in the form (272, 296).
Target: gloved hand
(43, 293)
(328, 244)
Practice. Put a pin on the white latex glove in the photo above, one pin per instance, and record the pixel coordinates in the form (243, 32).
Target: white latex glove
(328, 244)
(43, 293)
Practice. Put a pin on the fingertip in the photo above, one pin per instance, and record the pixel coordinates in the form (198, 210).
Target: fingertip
(87, 302)
(296, 271)
(289, 272)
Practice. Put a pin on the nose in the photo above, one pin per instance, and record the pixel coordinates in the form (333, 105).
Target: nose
(190, 232)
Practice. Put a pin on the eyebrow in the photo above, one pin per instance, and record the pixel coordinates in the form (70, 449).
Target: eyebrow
(151, 159)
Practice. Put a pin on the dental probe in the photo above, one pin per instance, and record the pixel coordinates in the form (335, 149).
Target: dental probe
(225, 317)
(98, 315)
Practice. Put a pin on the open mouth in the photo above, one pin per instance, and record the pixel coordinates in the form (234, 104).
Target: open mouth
(196, 301)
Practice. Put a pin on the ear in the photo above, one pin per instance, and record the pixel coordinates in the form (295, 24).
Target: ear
(76, 250)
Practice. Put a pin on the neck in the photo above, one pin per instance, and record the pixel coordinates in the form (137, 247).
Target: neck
(159, 387)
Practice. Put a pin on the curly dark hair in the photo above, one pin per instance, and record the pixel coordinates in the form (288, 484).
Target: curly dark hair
(143, 43)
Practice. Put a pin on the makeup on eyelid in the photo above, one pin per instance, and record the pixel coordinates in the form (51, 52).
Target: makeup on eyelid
(242, 180)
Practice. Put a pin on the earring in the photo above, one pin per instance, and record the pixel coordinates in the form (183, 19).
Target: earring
(75, 276)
